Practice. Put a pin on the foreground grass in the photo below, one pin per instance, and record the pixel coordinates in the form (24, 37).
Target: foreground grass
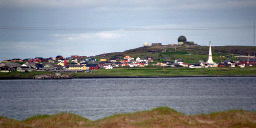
(168, 72)
(21, 75)
(144, 72)
(161, 117)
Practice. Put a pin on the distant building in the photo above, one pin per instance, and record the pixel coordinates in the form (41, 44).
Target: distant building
(146, 44)
(59, 57)
(93, 66)
(182, 40)
(77, 67)
(17, 60)
(78, 57)
(104, 59)
(156, 44)
(247, 59)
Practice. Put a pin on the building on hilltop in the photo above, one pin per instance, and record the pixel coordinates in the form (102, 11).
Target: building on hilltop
(146, 44)
(156, 44)
(182, 40)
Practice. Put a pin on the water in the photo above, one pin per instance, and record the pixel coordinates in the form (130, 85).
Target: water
(98, 98)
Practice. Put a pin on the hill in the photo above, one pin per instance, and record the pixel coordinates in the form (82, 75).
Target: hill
(189, 53)
(161, 117)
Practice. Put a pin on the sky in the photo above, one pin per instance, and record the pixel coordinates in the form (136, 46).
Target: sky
(47, 28)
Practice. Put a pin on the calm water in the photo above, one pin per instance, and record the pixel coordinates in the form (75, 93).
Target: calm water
(98, 98)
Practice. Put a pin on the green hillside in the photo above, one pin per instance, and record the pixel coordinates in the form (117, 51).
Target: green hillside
(189, 53)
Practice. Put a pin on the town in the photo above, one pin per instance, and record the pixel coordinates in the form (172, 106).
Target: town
(77, 63)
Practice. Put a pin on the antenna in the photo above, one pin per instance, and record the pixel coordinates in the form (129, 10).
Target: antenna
(254, 34)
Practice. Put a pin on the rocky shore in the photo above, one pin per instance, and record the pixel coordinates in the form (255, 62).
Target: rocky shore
(53, 76)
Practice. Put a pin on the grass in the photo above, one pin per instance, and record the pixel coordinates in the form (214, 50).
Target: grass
(21, 75)
(144, 72)
(160, 117)
(168, 72)
(192, 58)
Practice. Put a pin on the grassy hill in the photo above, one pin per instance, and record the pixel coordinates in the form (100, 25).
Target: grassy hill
(189, 53)
(161, 117)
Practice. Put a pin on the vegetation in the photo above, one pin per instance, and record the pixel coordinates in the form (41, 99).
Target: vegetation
(189, 53)
(143, 72)
(22, 75)
(161, 117)
(167, 72)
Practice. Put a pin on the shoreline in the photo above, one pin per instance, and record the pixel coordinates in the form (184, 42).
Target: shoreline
(106, 77)
(155, 72)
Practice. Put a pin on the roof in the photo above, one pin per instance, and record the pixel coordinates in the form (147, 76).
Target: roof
(92, 65)
(76, 65)
(11, 64)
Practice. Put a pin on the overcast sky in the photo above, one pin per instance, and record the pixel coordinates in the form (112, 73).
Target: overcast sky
(46, 28)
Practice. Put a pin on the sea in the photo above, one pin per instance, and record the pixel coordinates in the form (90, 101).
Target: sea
(101, 97)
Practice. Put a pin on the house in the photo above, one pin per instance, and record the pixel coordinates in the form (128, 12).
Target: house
(90, 59)
(51, 60)
(9, 66)
(59, 57)
(77, 67)
(78, 57)
(195, 66)
(59, 67)
(114, 59)
(128, 59)
(241, 65)
(37, 60)
(116, 64)
(39, 66)
(63, 63)
(229, 63)
(108, 67)
(103, 60)
(93, 66)
(221, 65)
(102, 63)
(4, 69)
(48, 67)
(45, 60)
(150, 59)
(24, 68)
(17, 60)
(180, 63)
(247, 60)
(156, 44)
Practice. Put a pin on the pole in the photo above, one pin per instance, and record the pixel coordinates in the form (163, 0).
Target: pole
(254, 34)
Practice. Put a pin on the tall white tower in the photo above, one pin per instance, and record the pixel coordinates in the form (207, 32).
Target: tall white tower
(210, 61)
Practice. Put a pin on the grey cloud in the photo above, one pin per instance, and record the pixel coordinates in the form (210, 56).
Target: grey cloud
(114, 5)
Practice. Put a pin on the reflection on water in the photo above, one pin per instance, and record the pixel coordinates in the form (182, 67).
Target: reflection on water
(98, 98)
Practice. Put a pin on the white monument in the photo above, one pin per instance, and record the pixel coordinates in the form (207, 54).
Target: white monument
(210, 62)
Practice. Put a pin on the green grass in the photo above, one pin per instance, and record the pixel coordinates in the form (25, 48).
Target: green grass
(144, 72)
(37, 117)
(168, 72)
(192, 58)
(160, 117)
(21, 75)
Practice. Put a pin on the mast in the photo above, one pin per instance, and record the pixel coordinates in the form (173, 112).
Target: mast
(254, 34)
